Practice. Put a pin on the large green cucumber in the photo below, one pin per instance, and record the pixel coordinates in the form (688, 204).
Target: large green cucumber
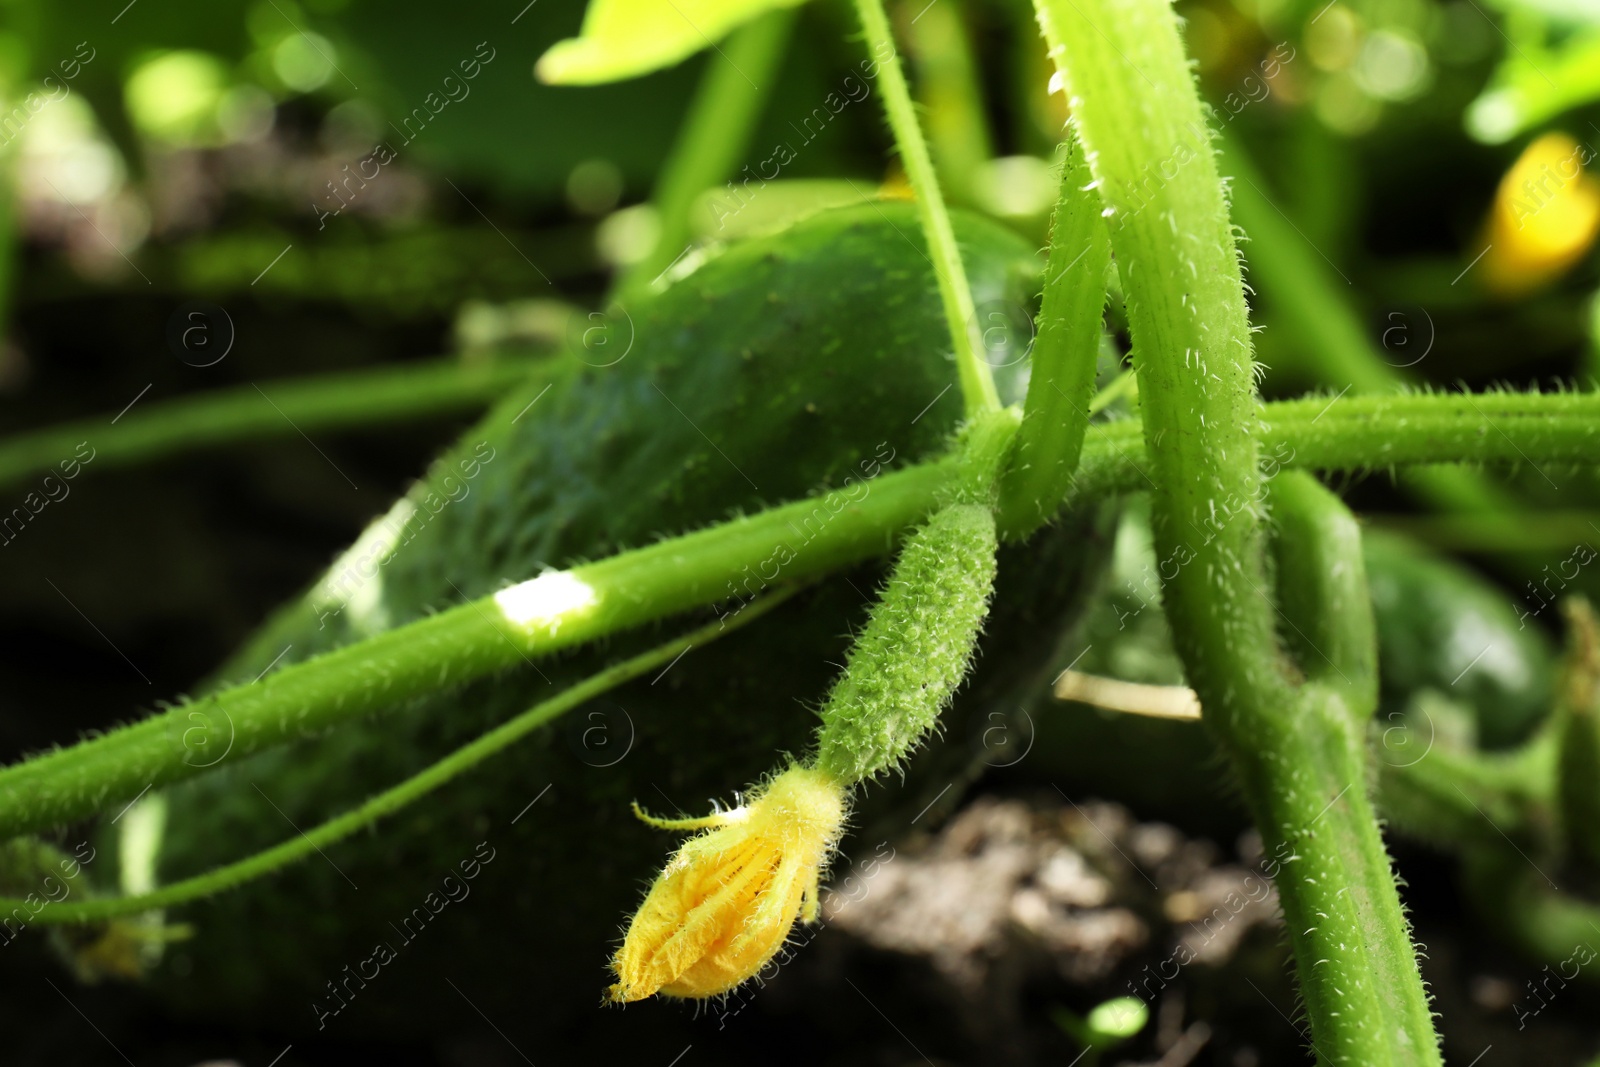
(813, 358)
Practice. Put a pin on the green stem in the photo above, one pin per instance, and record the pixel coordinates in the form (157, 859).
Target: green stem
(1358, 973)
(1331, 631)
(1454, 799)
(1418, 428)
(1355, 433)
(1139, 118)
(722, 116)
(396, 797)
(958, 128)
(559, 609)
(1309, 787)
(1530, 910)
(278, 408)
(1330, 337)
(1298, 748)
(562, 609)
(977, 385)
(1065, 353)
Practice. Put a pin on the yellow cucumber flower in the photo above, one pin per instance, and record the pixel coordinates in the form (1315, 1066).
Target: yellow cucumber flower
(1546, 216)
(728, 898)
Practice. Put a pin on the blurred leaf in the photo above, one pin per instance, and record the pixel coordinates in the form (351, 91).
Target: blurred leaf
(1535, 83)
(407, 273)
(626, 38)
(511, 133)
(501, 129)
(1555, 10)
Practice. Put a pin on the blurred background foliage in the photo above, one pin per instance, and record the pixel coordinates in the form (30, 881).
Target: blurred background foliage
(1417, 180)
(181, 146)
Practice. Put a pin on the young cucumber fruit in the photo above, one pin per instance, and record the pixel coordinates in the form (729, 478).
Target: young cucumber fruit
(1434, 618)
(814, 358)
(1442, 627)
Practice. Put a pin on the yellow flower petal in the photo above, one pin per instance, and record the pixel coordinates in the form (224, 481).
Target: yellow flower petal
(726, 901)
(1546, 216)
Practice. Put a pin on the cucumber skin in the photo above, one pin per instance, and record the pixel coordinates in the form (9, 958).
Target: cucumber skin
(1442, 627)
(803, 357)
(1433, 617)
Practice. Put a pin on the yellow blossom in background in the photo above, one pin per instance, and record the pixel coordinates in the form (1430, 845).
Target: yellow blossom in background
(1546, 215)
(728, 898)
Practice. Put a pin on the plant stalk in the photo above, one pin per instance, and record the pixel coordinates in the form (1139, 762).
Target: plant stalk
(722, 116)
(977, 384)
(1332, 340)
(279, 408)
(562, 609)
(1298, 747)
(396, 797)
(1055, 416)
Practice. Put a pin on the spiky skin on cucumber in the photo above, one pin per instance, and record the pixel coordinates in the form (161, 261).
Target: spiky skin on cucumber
(781, 366)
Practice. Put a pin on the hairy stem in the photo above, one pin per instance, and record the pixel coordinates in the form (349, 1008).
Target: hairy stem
(561, 609)
(259, 411)
(1330, 337)
(722, 117)
(1309, 786)
(1358, 972)
(409, 791)
(1296, 746)
(1061, 382)
(977, 384)
(1404, 431)
(947, 74)
(1139, 118)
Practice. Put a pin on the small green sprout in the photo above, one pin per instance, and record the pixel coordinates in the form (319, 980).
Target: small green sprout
(1106, 1026)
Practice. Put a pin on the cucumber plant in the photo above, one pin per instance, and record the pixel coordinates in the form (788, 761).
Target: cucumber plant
(798, 345)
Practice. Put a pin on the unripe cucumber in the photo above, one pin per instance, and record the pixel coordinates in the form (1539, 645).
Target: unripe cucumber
(1442, 627)
(1434, 617)
(915, 649)
(810, 359)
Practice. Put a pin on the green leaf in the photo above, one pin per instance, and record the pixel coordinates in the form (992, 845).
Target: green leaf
(1534, 84)
(626, 38)
(1572, 11)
